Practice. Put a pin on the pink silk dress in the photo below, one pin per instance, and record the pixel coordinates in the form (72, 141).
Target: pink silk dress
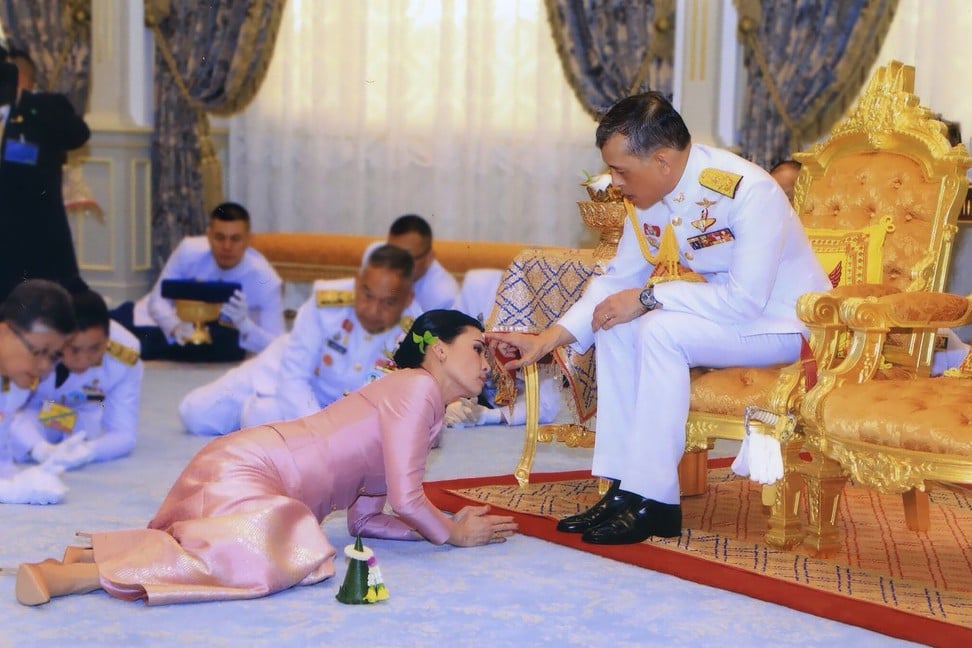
(244, 518)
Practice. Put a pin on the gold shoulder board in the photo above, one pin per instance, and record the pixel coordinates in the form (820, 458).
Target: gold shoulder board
(723, 182)
(406, 322)
(334, 298)
(125, 354)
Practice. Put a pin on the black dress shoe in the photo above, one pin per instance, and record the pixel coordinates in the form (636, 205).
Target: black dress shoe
(614, 501)
(641, 520)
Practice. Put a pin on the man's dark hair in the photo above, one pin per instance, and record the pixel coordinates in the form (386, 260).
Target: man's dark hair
(648, 121)
(231, 211)
(91, 310)
(783, 164)
(393, 258)
(39, 301)
(411, 223)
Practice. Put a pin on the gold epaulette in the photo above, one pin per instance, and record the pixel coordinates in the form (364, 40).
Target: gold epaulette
(406, 322)
(123, 353)
(724, 182)
(334, 298)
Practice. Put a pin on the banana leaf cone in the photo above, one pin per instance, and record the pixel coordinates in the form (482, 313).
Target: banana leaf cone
(355, 587)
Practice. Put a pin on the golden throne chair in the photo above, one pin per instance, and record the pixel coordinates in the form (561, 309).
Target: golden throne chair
(877, 416)
(879, 199)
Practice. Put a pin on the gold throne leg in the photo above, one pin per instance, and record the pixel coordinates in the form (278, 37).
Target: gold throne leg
(916, 510)
(825, 481)
(693, 473)
(784, 528)
(531, 386)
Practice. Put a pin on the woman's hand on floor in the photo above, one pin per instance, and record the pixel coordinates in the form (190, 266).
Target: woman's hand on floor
(473, 526)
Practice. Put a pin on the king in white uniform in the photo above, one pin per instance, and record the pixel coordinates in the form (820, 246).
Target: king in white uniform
(727, 221)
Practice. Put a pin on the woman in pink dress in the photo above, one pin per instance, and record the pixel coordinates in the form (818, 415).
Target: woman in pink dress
(244, 518)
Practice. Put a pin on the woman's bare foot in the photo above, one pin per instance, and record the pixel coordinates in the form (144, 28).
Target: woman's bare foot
(75, 554)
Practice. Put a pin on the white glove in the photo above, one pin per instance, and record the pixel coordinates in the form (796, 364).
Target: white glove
(236, 311)
(42, 451)
(766, 459)
(35, 485)
(72, 453)
(460, 413)
(182, 331)
(740, 465)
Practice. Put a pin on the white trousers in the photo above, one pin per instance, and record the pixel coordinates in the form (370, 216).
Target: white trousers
(643, 391)
(215, 408)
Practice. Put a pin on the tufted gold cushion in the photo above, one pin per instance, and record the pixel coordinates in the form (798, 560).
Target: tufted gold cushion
(729, 391)
(928, 415)
(851, 256)
(858, 189)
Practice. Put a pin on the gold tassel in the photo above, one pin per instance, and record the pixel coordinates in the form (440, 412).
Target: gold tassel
(209, 167)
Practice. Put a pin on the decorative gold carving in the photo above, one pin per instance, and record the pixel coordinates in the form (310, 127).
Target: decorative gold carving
(880, 469)
(570, 434)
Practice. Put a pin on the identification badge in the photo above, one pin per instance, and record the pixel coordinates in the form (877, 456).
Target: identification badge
(709, 239)
(333, 344)
(20, 152)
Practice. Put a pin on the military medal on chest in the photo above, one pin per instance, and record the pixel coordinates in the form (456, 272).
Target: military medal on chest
(704, 222)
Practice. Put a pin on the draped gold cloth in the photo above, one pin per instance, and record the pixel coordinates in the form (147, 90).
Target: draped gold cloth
(538, 287)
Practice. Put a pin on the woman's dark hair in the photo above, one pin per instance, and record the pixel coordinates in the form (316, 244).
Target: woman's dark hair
(38, 301)
(648, 121)
(444, 324)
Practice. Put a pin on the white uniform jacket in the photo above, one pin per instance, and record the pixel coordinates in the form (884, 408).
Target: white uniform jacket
(12, 398)
(105, 399)
(328, 352)
(193, 259)
(751, 249)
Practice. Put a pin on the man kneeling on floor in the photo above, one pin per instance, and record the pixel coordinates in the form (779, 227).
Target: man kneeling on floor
(249, 321)
(86, 410)
(342, 337)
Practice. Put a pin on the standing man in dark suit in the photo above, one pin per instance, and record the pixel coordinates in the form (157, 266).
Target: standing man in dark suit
(37, 128)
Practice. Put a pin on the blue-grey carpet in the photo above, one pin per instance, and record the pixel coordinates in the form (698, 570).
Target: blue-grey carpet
(525, 592)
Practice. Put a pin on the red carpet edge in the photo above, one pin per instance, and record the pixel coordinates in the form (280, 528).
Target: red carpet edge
(839, 607)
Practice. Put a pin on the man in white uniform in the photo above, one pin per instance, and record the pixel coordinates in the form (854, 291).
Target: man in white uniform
(733, 226)
(434, 286)
(87, 409)
(250, 320)
(35, 321)
(343, 336)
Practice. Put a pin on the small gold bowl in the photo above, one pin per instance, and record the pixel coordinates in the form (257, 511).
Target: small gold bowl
(199, 313)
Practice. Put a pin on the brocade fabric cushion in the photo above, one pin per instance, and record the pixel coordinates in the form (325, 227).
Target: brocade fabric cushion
(729, 391)
(927, 415)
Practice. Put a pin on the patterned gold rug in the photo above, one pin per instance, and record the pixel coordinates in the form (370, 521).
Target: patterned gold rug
(916, 586)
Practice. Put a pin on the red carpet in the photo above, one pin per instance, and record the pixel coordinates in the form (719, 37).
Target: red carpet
(916, 586)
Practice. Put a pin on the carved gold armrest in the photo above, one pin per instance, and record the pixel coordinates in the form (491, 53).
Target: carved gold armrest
(821, 313)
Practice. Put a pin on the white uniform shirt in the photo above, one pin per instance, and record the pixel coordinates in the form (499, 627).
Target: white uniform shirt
(105, 397)
(329, 353)
(436, 289)
(193, 259)
(754, 254)
(12, 398)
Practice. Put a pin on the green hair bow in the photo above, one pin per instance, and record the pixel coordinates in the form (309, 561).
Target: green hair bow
(424, 341)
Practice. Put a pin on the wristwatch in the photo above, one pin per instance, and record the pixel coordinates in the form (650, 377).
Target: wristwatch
(647, 299)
